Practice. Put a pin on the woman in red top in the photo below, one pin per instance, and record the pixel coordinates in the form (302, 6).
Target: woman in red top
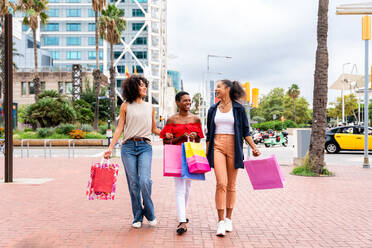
(179, 128)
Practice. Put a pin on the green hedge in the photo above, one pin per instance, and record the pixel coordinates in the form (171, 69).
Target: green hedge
(278, 125)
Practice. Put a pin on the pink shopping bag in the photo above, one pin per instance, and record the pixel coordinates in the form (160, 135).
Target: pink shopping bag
(172, 160)
(264, 173)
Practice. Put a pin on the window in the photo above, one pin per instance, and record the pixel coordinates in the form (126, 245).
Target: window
(53, 12)
(73, 27)
(140, 54)
(73, 13)
(31, 88)
(140, 1)
(53, 1)
(140, 41)
(51, 41)
(92, 41)
(73, 41)
(117, 54)
(24, 88)
(42, 86)
(30, 44)
(121, 68)
(139, 69)
(73, 55)
(91, 27)
(72, 1)
(137, 12)
(60, 87)
(68, 87)
(137, 26)
(51, 27)
(55, 54)
(91, 13)
(92, 54)
(25, 27)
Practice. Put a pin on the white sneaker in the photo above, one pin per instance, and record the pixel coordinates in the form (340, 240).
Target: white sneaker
(137, 224)
(228, 225)
(221, 228)
(153, 222)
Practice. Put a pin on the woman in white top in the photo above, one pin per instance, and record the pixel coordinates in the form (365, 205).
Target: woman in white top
(137, 119)
(227, 126)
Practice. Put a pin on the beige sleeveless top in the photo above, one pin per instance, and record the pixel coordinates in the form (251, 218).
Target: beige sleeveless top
(138, 121)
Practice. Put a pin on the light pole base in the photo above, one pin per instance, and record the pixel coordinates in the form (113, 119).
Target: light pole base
(366, 163)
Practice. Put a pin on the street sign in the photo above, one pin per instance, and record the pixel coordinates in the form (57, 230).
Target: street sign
(109, 133)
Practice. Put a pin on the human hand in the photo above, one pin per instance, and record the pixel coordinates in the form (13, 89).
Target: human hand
(193, 136)
(256, 152)
(107, 154)
(169, 136)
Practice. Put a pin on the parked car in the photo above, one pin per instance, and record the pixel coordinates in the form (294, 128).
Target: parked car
(347, 138)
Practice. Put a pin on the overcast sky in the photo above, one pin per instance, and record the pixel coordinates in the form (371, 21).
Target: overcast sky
(272, 42)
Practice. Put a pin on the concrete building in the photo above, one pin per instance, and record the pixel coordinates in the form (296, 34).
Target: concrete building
(70, 38)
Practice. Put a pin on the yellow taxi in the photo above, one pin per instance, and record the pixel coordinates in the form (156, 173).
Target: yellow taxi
(347, 138)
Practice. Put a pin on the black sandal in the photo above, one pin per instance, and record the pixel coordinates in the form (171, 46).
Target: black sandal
(180, 229)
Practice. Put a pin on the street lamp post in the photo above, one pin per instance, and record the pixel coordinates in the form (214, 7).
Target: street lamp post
(342, 92)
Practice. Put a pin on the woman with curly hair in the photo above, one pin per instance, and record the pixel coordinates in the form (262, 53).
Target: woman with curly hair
(137, 121)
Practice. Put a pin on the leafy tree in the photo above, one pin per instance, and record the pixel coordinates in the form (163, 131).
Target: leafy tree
(197, 99)
(111, 25)
(84, 113)
(351, 107)
(50, 110)
(34, 10)
(302, 109)
(271, 104)
(89, 96)
(294, 93)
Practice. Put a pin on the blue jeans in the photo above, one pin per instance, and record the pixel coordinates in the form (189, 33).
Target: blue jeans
(137, 158)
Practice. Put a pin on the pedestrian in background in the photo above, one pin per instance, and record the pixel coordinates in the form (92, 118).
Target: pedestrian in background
(227, 126)
(137, 123)
(180, 128)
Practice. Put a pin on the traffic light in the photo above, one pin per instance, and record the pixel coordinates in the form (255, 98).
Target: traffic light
(254, 98)
(247, 89)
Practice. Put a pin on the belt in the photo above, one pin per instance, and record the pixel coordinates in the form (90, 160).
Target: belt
(136, 139)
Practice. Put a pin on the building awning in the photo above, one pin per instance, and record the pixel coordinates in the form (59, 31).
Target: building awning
(348, 81)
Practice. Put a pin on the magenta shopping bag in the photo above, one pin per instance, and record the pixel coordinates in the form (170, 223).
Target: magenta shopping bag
(172, 160)
(264, 173)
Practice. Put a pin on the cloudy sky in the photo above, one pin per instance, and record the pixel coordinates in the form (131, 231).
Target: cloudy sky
(272, 42)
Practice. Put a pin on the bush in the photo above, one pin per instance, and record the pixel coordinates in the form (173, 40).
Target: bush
(77, 134)
(84, 114)
(2, 130)
(65, 128)
(290, 124)
(44, 132)
(304, 169)
(27, 129)
(86, 128)
(95, 135)
(102, 129)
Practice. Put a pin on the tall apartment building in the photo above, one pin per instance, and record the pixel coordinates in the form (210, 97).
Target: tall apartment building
(69, 36)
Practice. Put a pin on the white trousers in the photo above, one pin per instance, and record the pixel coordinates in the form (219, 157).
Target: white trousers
(182, 197)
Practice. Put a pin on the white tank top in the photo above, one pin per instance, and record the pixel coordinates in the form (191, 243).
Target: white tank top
(224, 122)
(138, 121)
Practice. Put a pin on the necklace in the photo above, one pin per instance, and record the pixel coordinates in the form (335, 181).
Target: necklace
(224, 105)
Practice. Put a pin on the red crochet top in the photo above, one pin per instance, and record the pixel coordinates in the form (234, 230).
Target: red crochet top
(179, 129)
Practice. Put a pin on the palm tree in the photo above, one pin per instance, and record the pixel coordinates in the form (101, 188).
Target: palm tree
(97, 6)
(111, 25)
(35, 10)
(317, 140)
(196, 100)
(294, 92)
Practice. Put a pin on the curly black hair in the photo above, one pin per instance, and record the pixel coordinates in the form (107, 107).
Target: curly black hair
(129, 87)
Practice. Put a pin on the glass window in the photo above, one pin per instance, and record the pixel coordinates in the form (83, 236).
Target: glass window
(60, 87)
(72, 1)
(137, 26)
(53, 12)
(139, 69)
(51, 41)
(137, 12)
(55, 54)
(42, 86)
(73, 27)
(31, 88)
(92, 54)
(24, 88)
(73, 41)
(53, 1)
(73, 55)
(92, 14)
(68, 87)
(140, 54)
(92, 41)
(91, 27)
(51, 27)
(25, 27)
(121, 68)
(117, 54)
(73, 13)
(140, 41)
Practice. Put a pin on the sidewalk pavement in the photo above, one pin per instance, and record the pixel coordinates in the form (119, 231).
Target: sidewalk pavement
(308, 212)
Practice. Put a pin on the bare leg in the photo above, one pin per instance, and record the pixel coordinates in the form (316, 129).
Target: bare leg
(229, 213)
(221, 214)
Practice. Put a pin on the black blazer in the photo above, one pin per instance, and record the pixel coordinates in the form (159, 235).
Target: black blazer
(241, 129)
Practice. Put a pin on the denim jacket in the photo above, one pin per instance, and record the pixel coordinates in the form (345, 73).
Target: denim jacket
(241, 129)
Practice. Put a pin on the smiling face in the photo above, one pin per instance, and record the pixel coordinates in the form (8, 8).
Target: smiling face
(184, 103)
(142, 89)
(221, 90)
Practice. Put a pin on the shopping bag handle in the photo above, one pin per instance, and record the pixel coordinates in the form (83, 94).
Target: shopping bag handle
(103, 159)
